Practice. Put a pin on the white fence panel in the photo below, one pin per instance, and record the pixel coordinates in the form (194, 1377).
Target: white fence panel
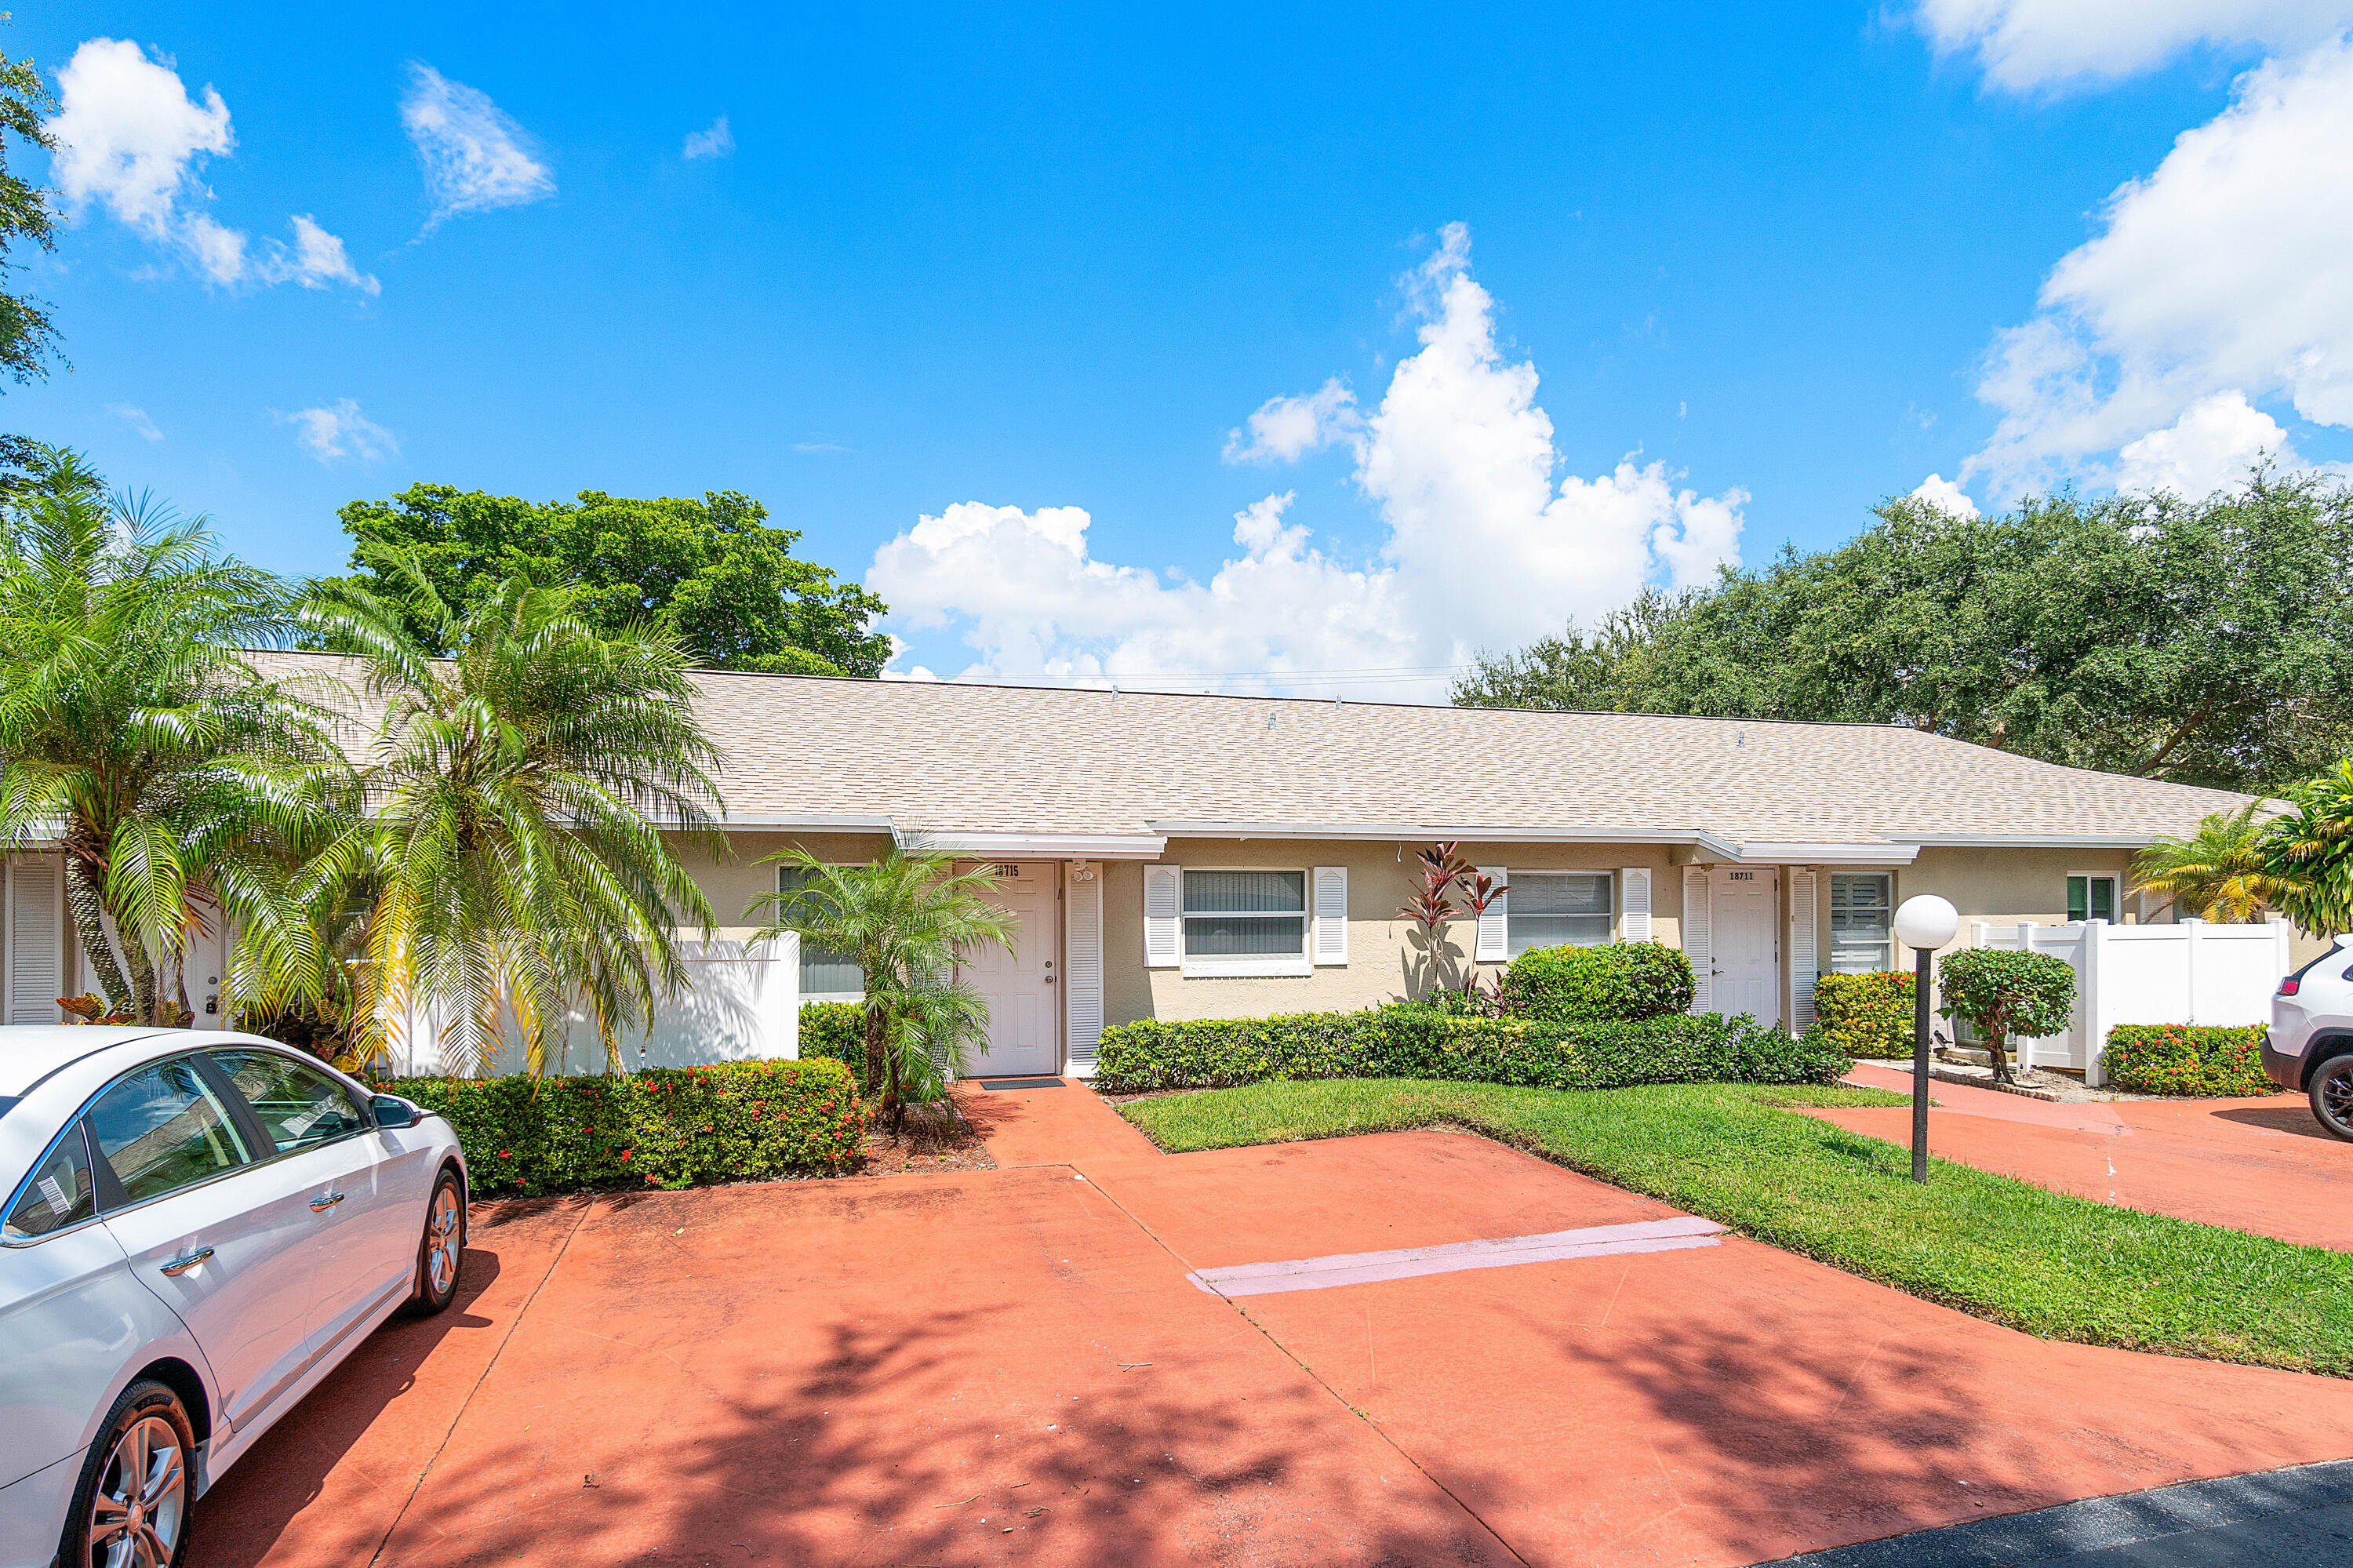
(2193, 972)
(741, 1001)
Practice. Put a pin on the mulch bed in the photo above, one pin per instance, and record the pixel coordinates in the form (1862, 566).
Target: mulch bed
(957, 1145)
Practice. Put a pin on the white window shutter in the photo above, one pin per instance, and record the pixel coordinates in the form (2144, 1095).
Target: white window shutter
(1164, 916)
(1494, 945)
(1332, 915)
(1634, 889)
(1083, 968)
(1695, 941)
(1804, 967)
(37, 953)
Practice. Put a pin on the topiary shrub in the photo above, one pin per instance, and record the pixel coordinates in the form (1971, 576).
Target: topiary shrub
(1409, 1041)
(665, 1126)
(1621, 981)
(2187, 1059)
(1866, 1015)
(2007, 996)
(835, 1031)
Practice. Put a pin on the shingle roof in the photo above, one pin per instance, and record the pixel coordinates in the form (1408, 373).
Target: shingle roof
(949, 757)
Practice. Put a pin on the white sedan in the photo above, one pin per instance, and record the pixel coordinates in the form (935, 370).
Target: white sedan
(198, 1228)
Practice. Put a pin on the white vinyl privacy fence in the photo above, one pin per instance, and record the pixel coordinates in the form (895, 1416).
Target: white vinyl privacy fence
(2193, 972)
(742, 999)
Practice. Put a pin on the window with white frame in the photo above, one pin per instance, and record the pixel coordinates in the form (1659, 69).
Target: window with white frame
(2091, 897)
(1557, 909)
(828, 974)
(1244, 915)
(1862, 904)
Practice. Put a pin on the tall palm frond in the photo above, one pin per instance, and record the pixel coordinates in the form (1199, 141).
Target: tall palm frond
(2221, 872)
(522, 796)
(2310, 852)
(182, 783)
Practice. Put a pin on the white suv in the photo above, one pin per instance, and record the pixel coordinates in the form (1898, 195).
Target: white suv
(2309, 1046)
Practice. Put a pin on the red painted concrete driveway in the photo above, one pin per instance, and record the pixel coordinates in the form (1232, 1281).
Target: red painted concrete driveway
(2261, 1165)
(1012, 1366)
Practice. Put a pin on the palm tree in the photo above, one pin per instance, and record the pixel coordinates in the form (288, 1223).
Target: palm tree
(183, 784)
(516, 859)
(905, 919)
(2310, 853)
(2224, 871)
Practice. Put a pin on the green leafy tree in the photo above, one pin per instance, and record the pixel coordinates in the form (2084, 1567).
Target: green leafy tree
(2224, 871)
(710, 572)
(28, 340)
(2206, 642)
(183, 784)
(524, 793)
(2007, 996)
(905, 919)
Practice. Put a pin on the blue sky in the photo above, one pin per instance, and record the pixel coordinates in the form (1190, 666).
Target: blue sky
(986, 306)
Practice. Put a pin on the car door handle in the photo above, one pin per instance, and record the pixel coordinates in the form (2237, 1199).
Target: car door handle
(186, 1261)
(325, 1200)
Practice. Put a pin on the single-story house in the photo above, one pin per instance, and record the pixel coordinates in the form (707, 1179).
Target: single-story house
(1181, 856)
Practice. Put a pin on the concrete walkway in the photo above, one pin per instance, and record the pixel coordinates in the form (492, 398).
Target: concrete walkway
(2260, 1165)
(1012, 1366)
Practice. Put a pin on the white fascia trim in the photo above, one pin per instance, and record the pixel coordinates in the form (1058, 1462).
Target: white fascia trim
(1247, 968)
(2030, 841)
(1827, 854)
(815, 822)
(1073, 847)
(1385, 831)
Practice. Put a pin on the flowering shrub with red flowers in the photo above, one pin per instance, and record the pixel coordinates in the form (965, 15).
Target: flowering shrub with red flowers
(2188, 1059)
(667, 1127)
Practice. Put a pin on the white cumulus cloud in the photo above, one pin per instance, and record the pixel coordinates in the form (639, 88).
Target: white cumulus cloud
(716, 142)
(133, 141)
(1943, 493)
(2211, 448)
(338, 429)
(475, 156)
(1483, 549)
(1284, 429)
(2221, 271)
(2025, 44)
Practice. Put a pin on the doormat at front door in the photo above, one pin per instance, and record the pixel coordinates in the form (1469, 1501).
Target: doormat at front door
(1020, 1083)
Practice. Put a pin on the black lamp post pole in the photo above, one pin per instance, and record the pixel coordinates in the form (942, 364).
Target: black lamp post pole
(1920, 1065)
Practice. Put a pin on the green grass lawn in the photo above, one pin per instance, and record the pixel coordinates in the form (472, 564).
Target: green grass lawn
(2060, 1267)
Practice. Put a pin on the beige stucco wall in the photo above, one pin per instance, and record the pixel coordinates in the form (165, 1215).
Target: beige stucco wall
(1382, 962)
(1999, 887)
(734, 879)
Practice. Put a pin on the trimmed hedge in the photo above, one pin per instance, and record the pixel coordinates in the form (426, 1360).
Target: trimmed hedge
(665, 1126)
(1618, 982)
(1406, 1041)
(1866, 1015)
(834, 1029)
(2188, 1059)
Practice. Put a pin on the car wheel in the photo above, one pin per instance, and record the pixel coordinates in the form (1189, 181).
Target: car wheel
(130, 1509)
(442, 1251)
(2332, 1094)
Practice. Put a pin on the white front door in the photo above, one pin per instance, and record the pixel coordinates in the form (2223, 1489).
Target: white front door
(1021, 986)
(1744, 926)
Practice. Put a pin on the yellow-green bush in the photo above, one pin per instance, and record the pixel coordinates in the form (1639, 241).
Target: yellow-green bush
(1866, 1015)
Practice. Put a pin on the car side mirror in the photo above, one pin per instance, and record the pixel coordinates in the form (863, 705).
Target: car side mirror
(391, 1110)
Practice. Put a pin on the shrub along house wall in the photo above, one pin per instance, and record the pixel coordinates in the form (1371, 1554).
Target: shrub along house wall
(670, 1126)
(1867, 1015)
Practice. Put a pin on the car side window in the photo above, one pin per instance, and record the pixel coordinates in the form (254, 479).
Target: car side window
(162, 1128)
(60, 1194)
(298, 1106)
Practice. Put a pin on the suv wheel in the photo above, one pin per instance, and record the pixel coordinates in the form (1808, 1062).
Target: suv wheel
(2332, 1095)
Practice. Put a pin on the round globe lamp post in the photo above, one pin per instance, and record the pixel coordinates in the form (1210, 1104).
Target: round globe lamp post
(1924, 925)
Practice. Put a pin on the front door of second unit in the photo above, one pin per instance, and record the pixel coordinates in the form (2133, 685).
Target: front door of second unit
(1746, 959)
(1019, 984)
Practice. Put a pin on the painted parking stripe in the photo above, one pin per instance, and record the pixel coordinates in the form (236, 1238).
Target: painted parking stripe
(1449, 1257)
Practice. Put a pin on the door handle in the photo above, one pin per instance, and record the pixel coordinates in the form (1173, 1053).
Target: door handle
(322, 1203)
(186, 1261)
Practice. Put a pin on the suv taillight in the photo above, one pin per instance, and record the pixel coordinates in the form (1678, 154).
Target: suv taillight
(2288, 986)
